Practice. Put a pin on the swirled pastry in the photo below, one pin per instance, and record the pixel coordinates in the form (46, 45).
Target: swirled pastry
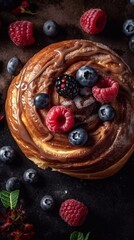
(109, 144)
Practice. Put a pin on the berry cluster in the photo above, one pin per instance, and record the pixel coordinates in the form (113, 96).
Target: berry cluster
(71, 211)
(22, 32)
(92, 21)
(104, 89)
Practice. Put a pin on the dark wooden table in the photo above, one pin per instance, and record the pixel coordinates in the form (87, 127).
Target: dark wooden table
(110, 201)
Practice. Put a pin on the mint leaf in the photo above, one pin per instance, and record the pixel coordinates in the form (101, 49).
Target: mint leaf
(76, 236)
(87, 236)
(79, 236)
(5, 198)
(14, 196)
(9, 199)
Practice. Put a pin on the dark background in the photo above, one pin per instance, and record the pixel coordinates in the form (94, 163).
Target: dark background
(110, 201)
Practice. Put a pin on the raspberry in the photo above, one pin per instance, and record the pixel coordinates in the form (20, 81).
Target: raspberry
(59, 119)
(93, 21)
(73, 212)
(105, 90)
(21, 33)
(67, 86)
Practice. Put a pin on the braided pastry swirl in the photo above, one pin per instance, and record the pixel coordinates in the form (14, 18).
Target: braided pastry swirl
(110, 143)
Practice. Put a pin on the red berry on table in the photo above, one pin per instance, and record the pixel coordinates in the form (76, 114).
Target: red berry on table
(93, 21)
(73, 212)
(25, 4)
(21, 33)
(60, 119)
(105, 90)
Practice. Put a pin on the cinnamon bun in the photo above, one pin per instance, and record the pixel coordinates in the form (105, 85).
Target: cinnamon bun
(109, 144)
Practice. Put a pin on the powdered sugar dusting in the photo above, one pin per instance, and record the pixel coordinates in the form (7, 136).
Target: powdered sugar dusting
(80, 103)
(66, 103)
(86, 91)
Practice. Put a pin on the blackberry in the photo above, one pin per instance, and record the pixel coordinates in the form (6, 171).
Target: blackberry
(67, 86)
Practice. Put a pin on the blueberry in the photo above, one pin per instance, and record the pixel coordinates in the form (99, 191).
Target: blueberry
(132, 2)
(14, 66)
(51, 28)
(47, 202)
(41, 100)
(12, 183)
(131, 43)
(78, 137)
(87, 76)
(30, 176)
(128, 27)
(7, 154)
(106, 112)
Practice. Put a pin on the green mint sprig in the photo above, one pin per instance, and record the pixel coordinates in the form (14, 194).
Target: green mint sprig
(9, 199)
(79, 236)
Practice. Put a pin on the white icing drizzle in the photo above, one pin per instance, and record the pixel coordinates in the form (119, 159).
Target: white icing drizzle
(67, 103)
(86, 91)
(88, 102)
(80, 103)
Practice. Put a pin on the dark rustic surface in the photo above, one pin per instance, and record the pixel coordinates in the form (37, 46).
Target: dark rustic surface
(110, 201)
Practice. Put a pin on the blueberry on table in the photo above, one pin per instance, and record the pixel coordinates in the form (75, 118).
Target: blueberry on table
(51, 28)
(132, 2)
(78, 137)
(12, 184)
(47, 202)
(41, 100)
(106, 112)
(30, 176)
(7, 154)
(128, 27)
(14, 66)
(87, 76)
(131, 43)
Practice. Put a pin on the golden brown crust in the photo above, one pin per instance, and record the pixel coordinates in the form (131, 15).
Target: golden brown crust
(111, 143)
